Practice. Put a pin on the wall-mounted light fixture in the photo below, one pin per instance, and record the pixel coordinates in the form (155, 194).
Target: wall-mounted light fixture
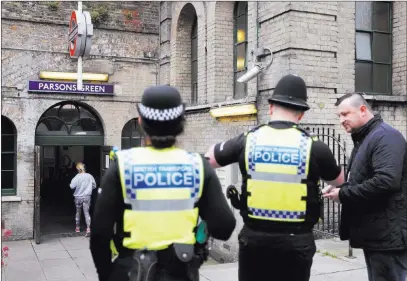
(234, 110)
(73, 76)
(259, 66)
(235, 113)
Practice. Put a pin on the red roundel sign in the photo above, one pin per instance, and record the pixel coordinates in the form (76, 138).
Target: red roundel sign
(77, 34)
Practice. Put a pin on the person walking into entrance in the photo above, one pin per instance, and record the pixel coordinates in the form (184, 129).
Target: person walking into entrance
(281, 166)
(374, 199)
(154, 196)
(83, 184)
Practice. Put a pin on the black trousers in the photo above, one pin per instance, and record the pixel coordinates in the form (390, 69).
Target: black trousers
(165, 272)
(386, 265)
(276, 256)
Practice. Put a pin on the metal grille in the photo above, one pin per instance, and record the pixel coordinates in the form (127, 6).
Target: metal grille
(331, 211)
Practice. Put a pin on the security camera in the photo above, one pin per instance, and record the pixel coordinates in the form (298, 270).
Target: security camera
(258, 66)
(249, 75)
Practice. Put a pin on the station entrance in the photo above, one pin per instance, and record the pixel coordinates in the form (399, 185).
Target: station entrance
(67, 133)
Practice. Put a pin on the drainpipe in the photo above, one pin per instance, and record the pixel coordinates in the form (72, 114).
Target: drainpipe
(206, 51)
(159, 46)
(257, 45)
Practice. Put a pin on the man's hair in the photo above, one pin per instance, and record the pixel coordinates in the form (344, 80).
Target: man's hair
(356, 100)
(292, 109)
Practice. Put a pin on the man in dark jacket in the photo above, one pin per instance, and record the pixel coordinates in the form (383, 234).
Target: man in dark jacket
(374, 212)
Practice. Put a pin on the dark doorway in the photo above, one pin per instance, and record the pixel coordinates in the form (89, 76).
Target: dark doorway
(67, 133)
(57, 171)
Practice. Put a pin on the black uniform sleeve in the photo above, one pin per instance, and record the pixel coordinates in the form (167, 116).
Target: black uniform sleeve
(229, 152)
(324, 159)
(213, 207)
(109, 208)
(387, 162)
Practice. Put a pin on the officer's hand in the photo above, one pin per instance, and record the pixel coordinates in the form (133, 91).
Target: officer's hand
(327, 189)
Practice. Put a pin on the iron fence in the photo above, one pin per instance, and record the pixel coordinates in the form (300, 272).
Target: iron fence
(328, 225)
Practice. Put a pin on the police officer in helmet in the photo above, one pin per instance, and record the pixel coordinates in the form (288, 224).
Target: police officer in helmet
(155, 196)
(281, 166)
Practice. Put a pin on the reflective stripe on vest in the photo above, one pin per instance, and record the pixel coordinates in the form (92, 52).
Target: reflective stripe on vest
(113, 249)
(277, 162)
(162, 188)
(161, 205)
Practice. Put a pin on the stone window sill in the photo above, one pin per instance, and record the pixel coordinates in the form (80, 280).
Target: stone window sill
(10, 199)
(388, 98)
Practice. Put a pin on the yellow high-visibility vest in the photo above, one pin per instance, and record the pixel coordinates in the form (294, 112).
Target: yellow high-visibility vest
(277, 164)
(161, 189)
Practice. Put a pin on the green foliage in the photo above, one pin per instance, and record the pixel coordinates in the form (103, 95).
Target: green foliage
(129, 16)
(99, 14)
(53, 5)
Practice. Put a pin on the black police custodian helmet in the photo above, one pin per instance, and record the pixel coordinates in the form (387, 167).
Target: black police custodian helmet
(162, 111)
(291, 91)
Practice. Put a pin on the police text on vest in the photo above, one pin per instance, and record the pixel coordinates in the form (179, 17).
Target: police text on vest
(277, 155)
(163, 176)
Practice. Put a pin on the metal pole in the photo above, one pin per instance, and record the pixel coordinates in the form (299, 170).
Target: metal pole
(350, 253)
(79, 81)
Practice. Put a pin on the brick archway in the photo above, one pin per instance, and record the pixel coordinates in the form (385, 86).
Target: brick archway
(181, 29)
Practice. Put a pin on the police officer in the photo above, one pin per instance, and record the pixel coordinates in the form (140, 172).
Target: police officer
(154, 196)
(281, 166)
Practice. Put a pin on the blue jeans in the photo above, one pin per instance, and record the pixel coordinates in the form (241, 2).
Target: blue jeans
(386, 265)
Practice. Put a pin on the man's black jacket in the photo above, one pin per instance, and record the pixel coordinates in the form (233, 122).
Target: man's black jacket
(374, 204)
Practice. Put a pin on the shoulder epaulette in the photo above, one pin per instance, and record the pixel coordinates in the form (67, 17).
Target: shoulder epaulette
(255, 129)
(113, 153)
(306, 132)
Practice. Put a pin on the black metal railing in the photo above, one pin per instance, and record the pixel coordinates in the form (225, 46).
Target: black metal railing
(328, 225)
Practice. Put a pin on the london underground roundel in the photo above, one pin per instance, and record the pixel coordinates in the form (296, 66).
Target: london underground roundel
(77, 34)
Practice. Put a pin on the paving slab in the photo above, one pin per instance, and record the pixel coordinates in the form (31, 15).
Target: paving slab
(63, 272)
(80, 253)
(29, 270)
(327, 264)
(324, 278)
(20, 250)
(357, 274)
(70, 259)
(75, 243)
(67, 262)
(87, 267)
(47, 246)
(69, 279)
(220, 274)
(45, 255)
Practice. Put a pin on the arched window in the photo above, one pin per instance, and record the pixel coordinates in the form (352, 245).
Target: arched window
(69, 123)
(240, 48)
(194, 61)
(8, 156)
(132, 135)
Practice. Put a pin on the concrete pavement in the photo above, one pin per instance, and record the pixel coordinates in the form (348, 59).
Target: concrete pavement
(63, 259)
(330, 264)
